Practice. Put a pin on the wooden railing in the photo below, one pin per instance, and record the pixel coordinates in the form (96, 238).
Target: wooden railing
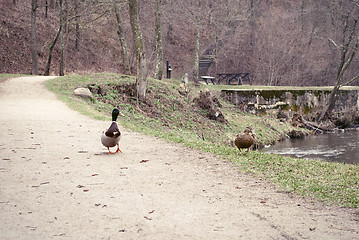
(237, 78)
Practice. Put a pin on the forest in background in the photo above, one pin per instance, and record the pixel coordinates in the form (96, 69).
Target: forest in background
(278, 42)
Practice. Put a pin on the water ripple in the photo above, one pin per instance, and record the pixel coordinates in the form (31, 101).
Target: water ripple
(341, 147)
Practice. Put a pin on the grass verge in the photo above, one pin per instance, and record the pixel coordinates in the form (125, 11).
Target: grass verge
(8, 75)
(171, 116)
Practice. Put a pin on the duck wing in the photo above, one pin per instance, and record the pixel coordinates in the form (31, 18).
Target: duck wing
(113, 131)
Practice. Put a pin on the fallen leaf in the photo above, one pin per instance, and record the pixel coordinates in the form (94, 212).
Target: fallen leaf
(59, 235)
(143, 161)
(31, 228)
(86, 190)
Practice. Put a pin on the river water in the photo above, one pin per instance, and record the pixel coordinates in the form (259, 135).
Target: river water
(339, 147)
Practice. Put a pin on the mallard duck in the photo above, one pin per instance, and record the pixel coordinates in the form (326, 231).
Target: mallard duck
(112, 135)
(245, 139)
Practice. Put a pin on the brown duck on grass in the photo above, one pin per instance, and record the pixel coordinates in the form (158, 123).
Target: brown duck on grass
(245, 139)
(112, 136)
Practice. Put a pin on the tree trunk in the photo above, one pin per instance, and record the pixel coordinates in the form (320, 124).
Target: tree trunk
(34, 65)
(51, 48)
(159, 50)
(141, 78)
(196, 54)
(348, 49)
(63, 21)
(77, 25)
(46, 6)
(121, 36)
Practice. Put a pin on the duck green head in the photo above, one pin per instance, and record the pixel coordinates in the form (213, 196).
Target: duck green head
(115, 113)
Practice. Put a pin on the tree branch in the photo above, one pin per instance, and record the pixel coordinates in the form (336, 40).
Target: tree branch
(350, 81)
(86, 14)
(332, 41)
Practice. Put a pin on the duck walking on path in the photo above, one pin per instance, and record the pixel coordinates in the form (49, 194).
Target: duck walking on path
(245, 139)
(112, 135)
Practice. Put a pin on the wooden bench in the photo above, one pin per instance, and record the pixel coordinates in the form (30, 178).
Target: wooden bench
(206, 78)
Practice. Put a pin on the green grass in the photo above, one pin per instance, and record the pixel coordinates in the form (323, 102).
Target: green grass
(8, 75)
(331, 182)
(176, 118)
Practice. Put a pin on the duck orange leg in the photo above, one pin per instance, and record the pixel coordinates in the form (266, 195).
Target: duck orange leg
(118, 149)
(109, 151)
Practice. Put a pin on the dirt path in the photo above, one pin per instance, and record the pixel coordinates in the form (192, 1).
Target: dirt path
(57, 181)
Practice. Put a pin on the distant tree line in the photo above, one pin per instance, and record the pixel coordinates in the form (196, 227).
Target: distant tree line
(278, 42)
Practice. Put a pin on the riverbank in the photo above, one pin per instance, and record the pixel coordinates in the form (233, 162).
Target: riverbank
(175, 117)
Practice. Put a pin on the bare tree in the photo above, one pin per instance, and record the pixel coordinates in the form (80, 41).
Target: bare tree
(54, 41)
(77, 24)
(196, 52)
(159, 50)
(51, 48)
(63, 23)
(121, 36)
(34, 66)
(141, 78)
(348, 47)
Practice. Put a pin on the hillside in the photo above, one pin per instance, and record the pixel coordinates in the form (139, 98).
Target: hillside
(278, 42)
(202, 115)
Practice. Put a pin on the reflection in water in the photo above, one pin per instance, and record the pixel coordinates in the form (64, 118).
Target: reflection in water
(340, 147)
